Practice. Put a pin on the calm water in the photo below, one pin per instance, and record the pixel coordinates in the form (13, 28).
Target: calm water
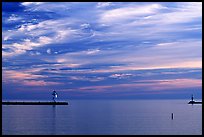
(104, 117)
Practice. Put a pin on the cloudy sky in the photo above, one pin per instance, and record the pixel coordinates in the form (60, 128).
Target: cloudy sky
(101, 50)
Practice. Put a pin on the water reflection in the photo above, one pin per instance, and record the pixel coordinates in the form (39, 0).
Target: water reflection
(53, 120)
(104, 117)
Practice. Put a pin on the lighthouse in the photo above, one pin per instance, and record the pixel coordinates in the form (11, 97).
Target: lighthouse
(54, 93)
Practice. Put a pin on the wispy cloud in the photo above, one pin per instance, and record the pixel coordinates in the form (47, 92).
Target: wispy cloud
(39, 83)
(182, 13)
(31, 3)
(120, 76)
(132, 12)
(102, 47)
(84, 78)
(14, 18)
(146, 85)
(103, 4)
(163, 55)
(27, 44)
(26, 78)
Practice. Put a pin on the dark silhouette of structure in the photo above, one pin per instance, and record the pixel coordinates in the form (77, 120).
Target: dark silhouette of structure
(172, 116)
(193, 102)
(192, 97)
(54, 93)
(34, 103)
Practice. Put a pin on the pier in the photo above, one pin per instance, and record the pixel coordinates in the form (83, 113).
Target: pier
(54, 102)
(194, 102)
(34, 103)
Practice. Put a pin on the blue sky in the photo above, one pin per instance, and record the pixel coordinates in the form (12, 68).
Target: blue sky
(101, 50)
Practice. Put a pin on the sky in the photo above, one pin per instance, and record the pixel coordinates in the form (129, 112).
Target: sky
(101, 50)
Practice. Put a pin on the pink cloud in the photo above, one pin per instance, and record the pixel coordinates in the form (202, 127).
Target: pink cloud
(25, 77)
(12, 74)
(177, 84)
(146, 85)
(39, 83)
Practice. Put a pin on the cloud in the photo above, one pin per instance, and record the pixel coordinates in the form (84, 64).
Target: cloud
(84, 78)
(121, 14)
(157, 56)
(103, 4)
(185, 12)
(164, 22)
(60, 30)
(13, 18)
(42, 34)
(93, 51)
(39, 83)
(31, 3)
(103, 47)
(192, 64)
(154, 14)
(48, 51)
(176, 84)
(16, 75)
(85, 25)
(47, 6)
(27, 44)
(26, 78)
(120, 76)
(6, 38)
(35, 53)
(146, 85)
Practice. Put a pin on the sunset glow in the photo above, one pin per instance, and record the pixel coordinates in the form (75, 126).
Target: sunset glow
(109, 49)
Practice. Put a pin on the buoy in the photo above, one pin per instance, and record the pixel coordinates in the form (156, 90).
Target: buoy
(172, 115)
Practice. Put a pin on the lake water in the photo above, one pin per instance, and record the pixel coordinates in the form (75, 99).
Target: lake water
(104, 117)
